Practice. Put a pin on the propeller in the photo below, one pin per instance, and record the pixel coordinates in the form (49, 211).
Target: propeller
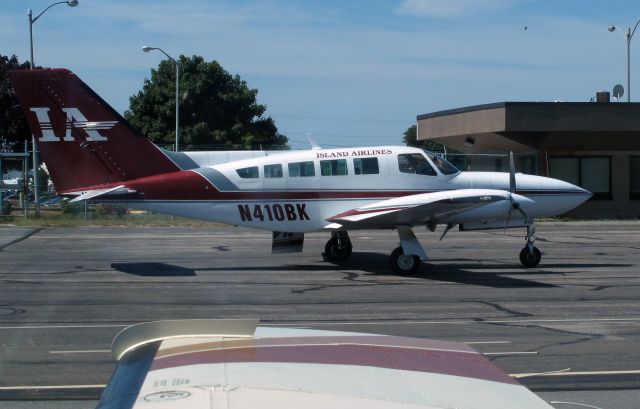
(512, 192)
(512, 173)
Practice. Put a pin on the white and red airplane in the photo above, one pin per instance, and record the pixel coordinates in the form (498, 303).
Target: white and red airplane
(93, 154)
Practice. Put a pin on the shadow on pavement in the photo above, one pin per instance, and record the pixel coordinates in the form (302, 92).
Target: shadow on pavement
(153, 269)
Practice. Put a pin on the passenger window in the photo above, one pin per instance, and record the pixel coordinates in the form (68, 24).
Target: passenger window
(302, 169)
(415, 163)
(273, 171)
(248, 173)
(366, 166)
(336, 167)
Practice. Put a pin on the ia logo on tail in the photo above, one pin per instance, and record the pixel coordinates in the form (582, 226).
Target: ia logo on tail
(75, 119)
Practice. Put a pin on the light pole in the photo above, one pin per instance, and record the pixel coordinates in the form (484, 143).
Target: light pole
(628, 36)
(146, 49)
(70, 3)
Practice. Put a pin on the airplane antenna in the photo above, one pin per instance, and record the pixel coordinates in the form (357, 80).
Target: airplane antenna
(312, 142)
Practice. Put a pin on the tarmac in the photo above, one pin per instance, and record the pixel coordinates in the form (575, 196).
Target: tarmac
(568, 329)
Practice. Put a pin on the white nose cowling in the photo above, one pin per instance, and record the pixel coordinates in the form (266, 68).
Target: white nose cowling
(552, 197)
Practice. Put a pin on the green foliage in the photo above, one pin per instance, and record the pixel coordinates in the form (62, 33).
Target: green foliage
(13, 126)
(106, 209)
(217, 110)
(410, 138)
(71, 209)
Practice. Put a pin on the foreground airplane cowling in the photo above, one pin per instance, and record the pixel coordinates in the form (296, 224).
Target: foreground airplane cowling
(93, 154)
(236, 364)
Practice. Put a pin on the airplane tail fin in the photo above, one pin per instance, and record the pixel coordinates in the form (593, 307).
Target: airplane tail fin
(83, 141)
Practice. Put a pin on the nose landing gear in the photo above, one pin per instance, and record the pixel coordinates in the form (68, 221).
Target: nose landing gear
(530, 256)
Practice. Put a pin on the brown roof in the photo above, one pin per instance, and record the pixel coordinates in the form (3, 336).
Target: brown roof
(531, 126)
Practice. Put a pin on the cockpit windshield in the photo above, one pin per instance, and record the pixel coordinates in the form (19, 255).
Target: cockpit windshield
(442, 164)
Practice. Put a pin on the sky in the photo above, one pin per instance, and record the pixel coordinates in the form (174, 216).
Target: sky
(350, 73)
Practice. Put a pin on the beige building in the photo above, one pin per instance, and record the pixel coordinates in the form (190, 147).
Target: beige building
(595, 145)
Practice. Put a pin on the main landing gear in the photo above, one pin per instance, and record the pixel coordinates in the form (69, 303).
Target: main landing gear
(530, 256)
(403, 264)
(404, 260)
(338, 248)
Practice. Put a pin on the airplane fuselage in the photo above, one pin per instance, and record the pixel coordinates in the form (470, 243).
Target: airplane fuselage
(298, 191)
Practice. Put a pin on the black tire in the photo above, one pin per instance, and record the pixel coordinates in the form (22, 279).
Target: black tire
(336, 254)
(403, 265)
(530, 259)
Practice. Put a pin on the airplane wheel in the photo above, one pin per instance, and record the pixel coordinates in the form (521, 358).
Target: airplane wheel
(403, 265)
(530, 259)
(334, 253)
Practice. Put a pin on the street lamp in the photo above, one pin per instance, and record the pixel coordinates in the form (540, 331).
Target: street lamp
(628, 36)
(146, 49)
(70, 3)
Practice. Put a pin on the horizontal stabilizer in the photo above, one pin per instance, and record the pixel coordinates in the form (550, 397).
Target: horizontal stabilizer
(92, 194)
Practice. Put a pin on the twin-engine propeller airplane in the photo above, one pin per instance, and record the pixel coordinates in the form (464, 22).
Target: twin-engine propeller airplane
(93, 154)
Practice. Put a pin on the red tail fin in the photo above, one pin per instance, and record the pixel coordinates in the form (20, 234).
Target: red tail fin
(83, 141)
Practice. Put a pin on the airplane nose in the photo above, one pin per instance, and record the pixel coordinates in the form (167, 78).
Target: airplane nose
(569, 196)
(577, 190)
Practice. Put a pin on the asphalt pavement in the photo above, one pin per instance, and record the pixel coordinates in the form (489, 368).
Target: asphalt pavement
(568, 329)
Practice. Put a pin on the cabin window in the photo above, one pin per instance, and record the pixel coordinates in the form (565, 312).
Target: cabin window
(273, 171)
(442, 164)
(248, 173)
(302, 169)
(415, 163)
(335, 167)
(365, 166)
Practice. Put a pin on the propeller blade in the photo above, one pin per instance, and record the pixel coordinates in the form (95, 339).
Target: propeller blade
(512, 174)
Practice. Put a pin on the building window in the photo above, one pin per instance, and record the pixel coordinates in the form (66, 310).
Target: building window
(589, 172)
(302, 169)
(273, 171)
(415, 163)
(248, 173)
(336, 167)
(366, 166)
(634, 177)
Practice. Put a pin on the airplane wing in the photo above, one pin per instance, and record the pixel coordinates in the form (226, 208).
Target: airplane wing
(424, 207)
(236, 364)
(96, 193)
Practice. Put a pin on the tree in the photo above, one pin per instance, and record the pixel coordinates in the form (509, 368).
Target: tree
(410, 138)
(13, 125)
(217, 110)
